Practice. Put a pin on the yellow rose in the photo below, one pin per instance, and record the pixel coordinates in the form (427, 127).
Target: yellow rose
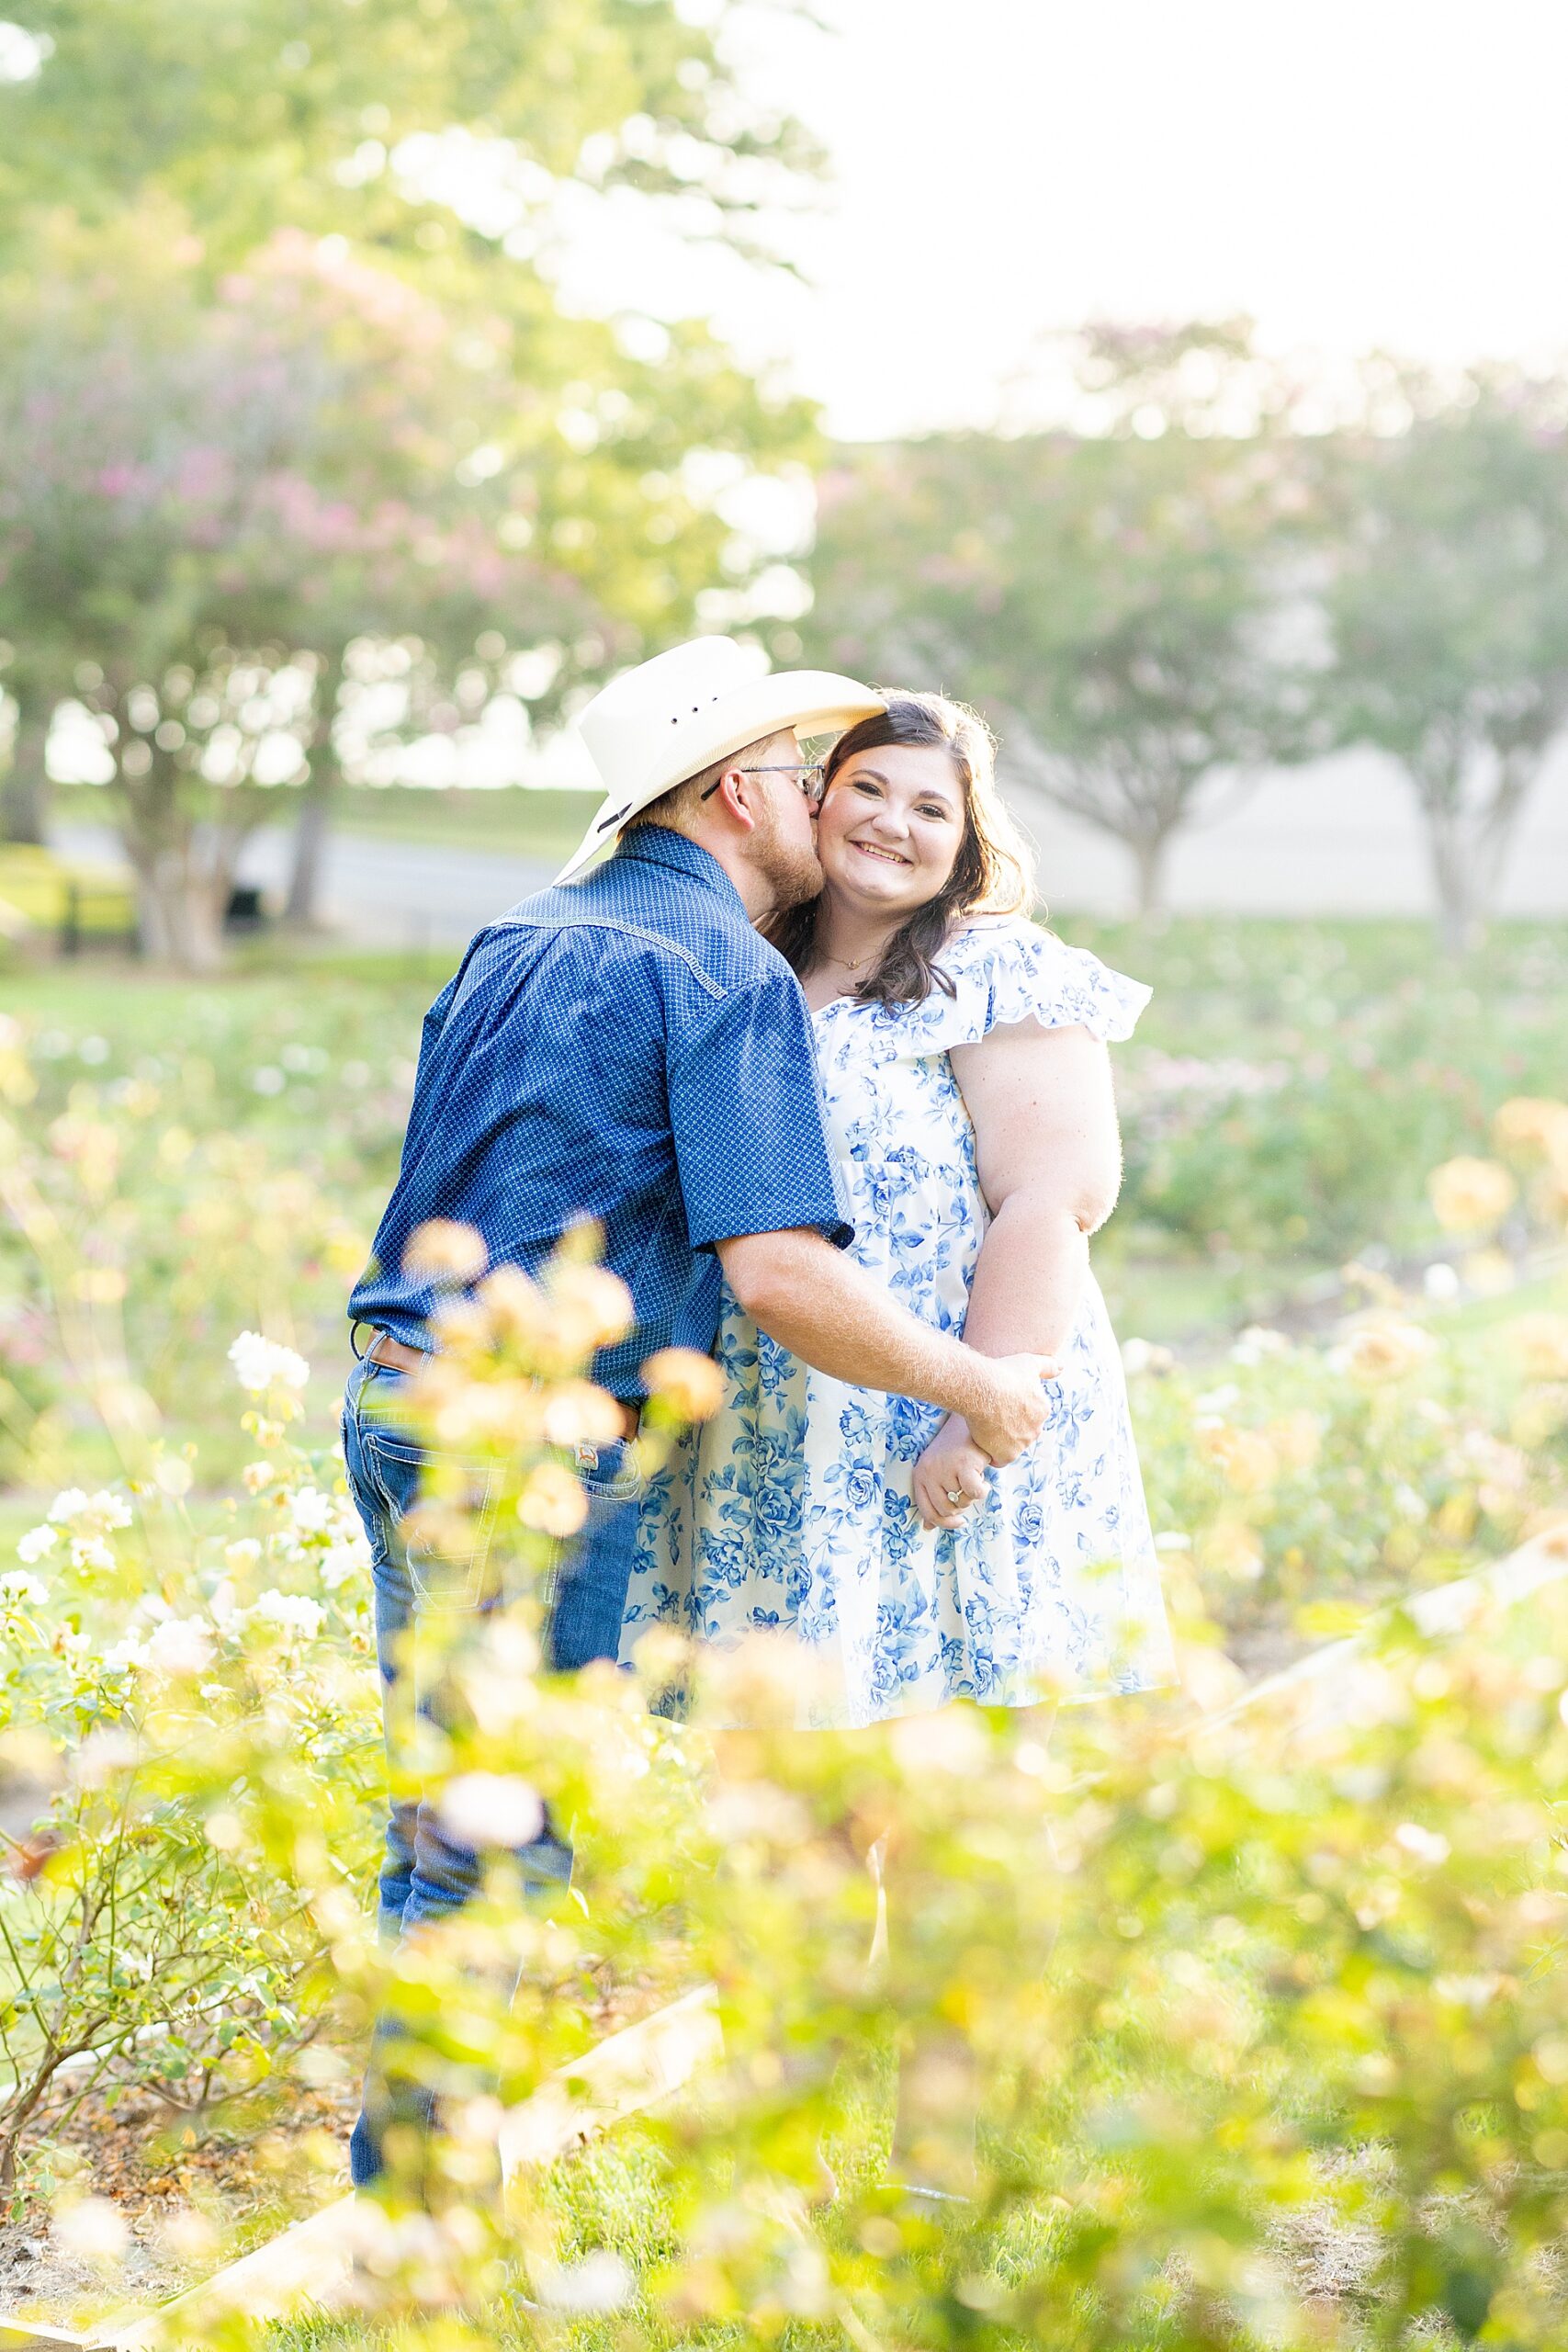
(443, 1250)
(1540, 1343)
(690, 1384)
(591, 1301)
(1296, 1437)
(1489, 1272)
(1246, 1461)
(1533, 1123)
(1384, 1348)
(577, 1413)
(518, 1310)
(1231, 1550)
(1470, 1195)
(552, 1501)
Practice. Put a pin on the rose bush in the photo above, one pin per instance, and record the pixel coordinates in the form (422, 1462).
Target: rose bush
(1267, 2010)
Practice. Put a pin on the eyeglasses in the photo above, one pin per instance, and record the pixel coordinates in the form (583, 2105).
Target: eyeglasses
(811, 777)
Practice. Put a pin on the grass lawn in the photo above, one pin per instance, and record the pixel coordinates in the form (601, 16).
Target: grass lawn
(1286, 1095)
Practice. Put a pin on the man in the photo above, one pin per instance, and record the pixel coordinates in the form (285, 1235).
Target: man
(630, 1050)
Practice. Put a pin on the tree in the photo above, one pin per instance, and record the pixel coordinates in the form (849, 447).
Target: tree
(1447, 601)
(207, 503)
(437, 141)
(1118, 603)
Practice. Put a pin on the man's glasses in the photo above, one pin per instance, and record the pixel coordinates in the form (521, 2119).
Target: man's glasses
(812, 778)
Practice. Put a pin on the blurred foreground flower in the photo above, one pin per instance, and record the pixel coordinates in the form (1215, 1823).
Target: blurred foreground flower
(1470, 1195)
(553, 1501)
(1382, 1349)
(93, 2228)
(180, 1646)
(1244, 1460)
(1534, 1124)
(441, 1250)
(1541, 1342)
(689, 1383)
(260, 1364)
(484, 1809)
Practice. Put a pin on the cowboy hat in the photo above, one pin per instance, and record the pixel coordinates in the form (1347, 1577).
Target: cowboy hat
(678, 714)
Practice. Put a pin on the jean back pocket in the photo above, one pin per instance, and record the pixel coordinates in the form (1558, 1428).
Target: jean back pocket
(442, 1515)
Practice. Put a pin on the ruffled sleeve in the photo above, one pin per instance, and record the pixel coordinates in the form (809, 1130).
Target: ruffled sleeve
(1010, 971)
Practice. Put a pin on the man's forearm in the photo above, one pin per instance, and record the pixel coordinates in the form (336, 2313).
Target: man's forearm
(814, 1302)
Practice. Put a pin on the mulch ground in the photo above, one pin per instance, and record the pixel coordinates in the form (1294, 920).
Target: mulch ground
(190, 2196)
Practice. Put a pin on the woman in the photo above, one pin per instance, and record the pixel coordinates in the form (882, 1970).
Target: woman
(961, 1053)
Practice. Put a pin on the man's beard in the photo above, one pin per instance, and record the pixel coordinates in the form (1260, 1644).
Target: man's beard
(790, 869)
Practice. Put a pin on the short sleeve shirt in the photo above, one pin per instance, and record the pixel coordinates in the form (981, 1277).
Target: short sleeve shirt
(625, 1048)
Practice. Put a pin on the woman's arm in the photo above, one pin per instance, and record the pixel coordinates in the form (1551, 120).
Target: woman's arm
(1050, 1163)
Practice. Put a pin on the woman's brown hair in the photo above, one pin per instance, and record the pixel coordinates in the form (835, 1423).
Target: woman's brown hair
(993, 873)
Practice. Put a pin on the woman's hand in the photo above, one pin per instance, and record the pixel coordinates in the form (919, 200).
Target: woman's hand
(951, 1464)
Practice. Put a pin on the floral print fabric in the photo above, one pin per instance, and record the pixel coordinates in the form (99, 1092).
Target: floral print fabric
(791, 1512)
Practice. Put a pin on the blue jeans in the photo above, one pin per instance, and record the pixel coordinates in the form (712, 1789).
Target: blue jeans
(424, 1874)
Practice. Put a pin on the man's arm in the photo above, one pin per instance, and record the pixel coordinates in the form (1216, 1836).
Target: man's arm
(809, 1298)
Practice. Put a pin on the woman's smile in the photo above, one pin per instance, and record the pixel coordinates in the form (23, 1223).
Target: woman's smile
(888, 856)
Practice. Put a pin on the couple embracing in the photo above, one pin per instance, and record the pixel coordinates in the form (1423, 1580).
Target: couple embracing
(844, 1114)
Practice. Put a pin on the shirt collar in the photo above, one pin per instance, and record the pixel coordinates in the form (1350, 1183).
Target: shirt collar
(657, 846)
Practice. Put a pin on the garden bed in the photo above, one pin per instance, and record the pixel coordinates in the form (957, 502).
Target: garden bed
(170, 2202)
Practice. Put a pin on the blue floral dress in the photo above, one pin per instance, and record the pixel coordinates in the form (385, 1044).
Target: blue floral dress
(790, 1511)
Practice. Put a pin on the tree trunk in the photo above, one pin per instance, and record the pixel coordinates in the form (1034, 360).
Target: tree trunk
(179, 913)
(26, 791)
(1468, 849)
(310, 829)
(185, 870)
(1149, 852)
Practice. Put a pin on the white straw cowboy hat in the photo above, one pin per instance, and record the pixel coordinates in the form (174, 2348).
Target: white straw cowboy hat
(678, 714)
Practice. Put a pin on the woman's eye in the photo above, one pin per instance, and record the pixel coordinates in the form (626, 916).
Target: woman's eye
(869, 789)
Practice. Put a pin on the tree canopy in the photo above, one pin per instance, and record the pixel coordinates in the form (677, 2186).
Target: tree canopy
(1446, 602)
(1112, 601)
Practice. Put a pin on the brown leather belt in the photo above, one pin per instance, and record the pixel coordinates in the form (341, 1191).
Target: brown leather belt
(393, 1353)
(397, 1356)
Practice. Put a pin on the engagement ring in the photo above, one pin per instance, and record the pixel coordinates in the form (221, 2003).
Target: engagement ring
(955, 1494)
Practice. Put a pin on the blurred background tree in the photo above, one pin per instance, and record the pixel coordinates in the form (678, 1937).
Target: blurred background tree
(421, 157)
(243, 497)
(1446, 602)
(1124, 600)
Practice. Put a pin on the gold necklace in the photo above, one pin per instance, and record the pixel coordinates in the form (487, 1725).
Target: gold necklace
(845, 966)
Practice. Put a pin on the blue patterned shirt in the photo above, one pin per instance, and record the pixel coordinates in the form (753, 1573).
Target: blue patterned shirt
(625, 1048)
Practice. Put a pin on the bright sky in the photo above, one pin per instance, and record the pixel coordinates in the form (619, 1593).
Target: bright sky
(1351, 173)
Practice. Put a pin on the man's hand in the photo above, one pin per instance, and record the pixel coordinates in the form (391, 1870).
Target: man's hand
(1013, 1406)
(951, 1464)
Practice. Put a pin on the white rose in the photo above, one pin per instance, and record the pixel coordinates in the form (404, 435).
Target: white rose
(291, 1612)
(601, 2282)
(260, 1364)
(311, 1511)
(180, 1646)
(32, 1546)
(482, 1809)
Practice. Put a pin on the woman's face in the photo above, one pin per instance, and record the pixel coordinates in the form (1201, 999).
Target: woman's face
(891, 829)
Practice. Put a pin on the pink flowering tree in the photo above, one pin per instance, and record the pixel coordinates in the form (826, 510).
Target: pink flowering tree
(458, 149)
(206, 503)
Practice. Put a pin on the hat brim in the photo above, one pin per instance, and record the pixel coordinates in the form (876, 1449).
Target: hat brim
(817, 701)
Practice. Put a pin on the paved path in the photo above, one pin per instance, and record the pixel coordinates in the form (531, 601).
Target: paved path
(399, 895)
(1337, 838)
